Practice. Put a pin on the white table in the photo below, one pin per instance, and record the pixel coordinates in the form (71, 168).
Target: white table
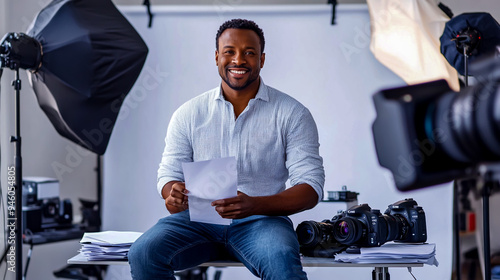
(380, 270)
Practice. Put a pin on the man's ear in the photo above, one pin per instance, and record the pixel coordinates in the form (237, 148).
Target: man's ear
(262, 59)
(216, 57)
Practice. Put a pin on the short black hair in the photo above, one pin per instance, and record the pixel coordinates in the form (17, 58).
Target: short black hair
(239, 23)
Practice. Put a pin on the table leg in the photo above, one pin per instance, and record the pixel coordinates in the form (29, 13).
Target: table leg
(381, 273)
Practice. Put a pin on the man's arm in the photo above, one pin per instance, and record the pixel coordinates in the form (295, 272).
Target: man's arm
(292, 200)
(177, 150)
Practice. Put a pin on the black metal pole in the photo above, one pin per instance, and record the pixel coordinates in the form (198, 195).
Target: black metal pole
(486, 226)
(466, 67)
(28, 258)
(99, 189)
(456, 230)
(16, 218)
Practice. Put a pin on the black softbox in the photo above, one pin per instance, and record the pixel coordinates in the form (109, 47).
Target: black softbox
(91, 58)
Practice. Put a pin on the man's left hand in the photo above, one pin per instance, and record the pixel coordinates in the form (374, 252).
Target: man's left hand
(238, 207)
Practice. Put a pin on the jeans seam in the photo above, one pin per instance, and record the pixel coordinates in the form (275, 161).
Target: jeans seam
(184, 249)
(243, 256)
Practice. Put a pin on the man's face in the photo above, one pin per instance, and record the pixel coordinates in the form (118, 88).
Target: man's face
(239, 58)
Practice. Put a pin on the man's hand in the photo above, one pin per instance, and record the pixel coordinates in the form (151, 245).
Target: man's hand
(290, 201)
(237, 207)
(176, 199)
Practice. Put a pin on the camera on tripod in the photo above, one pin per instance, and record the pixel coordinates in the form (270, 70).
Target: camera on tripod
(362, 226)
(42, 208)
(426, 134)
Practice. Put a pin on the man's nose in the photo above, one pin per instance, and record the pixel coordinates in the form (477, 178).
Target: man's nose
(239, 58)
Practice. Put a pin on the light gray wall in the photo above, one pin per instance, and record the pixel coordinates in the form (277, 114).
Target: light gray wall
(467, 6)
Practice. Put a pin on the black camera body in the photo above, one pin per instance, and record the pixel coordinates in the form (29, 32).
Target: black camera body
(408, 210)
(362, 226)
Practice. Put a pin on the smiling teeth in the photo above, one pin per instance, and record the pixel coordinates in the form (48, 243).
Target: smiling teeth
(238, 72)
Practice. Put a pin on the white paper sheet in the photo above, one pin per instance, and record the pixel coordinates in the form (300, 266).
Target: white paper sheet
(393, 253)
(113, 238)
(207, 181)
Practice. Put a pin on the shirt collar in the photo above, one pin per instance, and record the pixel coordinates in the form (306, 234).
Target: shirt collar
(262, 93)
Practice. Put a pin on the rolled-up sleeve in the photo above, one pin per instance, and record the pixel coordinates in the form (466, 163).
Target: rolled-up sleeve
(178, 149)
(304, 164)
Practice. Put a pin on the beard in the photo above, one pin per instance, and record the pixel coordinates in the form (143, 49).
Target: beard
(238, 86)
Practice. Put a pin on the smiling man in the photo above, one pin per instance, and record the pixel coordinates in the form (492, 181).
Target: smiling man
(273, 138)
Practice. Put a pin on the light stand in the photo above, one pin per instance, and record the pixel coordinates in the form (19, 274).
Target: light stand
(486, 185)
(17, 216)
(466, 67)
(486, 190)
(17, 51)
(456, 230)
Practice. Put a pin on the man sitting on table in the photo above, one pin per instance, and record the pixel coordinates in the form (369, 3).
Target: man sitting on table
(273, 138)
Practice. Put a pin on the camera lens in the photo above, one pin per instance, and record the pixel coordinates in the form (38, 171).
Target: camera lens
(347, 230)
(397, 227)
(310, 233)
(465, 125)
(306, 233)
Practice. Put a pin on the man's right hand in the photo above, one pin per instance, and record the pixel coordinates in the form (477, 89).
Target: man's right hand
(175, 196)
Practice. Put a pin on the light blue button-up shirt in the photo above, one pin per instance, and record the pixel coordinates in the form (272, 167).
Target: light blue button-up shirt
(274, 139)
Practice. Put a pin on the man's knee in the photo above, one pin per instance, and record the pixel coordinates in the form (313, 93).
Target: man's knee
(146, 262)
(134, 253)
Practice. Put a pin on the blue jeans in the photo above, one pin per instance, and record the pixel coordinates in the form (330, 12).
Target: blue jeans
(266, 245)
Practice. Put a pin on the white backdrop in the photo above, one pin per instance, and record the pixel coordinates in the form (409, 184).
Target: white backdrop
(328, 68)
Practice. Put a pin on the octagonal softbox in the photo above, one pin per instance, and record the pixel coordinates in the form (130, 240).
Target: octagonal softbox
(91, 58)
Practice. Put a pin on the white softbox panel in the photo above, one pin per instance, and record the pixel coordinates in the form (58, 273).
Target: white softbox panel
(405, 38)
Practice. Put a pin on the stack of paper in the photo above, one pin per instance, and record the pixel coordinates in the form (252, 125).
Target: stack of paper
(393, 253)
(107, 245)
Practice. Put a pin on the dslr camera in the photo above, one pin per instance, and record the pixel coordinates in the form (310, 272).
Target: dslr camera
(362, 226)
